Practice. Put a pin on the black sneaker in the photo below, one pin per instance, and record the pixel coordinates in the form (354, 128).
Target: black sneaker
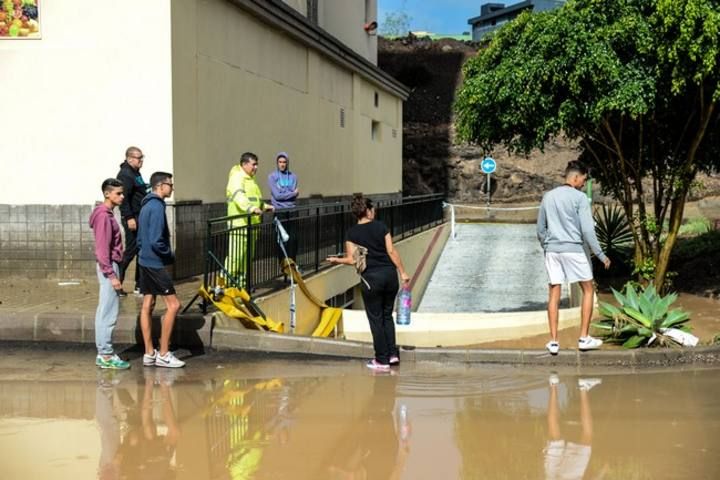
(121, 293)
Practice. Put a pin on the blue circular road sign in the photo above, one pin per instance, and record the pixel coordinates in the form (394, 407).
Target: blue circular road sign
(488, 165)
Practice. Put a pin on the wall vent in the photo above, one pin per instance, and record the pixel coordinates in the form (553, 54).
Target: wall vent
(342, 118)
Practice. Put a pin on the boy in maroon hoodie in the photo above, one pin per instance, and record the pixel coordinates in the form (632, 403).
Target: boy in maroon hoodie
(108, 253)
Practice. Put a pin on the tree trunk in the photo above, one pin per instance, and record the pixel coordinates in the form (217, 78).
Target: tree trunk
(676, 215)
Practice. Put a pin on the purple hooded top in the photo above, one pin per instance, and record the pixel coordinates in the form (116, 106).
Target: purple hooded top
(108, 242)
(282, 185)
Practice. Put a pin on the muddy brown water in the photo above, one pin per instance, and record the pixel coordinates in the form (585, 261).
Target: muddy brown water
(241, 417)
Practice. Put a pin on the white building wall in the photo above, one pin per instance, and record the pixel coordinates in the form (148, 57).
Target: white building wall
(98, 81)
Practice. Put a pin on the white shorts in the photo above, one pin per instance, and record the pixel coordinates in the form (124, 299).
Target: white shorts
(567, 267)
(566, 460)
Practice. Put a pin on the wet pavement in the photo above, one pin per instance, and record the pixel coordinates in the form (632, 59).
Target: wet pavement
(489, 267)
(230, 416)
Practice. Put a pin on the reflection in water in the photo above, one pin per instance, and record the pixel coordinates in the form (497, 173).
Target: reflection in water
(341, 423)
(566, 460)
(107, 422)
(148, 447)
(243, 416)
(374, 449)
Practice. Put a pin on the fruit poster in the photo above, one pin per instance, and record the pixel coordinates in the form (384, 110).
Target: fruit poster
(19, 19)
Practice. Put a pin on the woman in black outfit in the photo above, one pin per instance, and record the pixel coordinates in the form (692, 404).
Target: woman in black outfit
(380, 285)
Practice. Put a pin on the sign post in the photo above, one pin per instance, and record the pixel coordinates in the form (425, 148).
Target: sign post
(488, 166)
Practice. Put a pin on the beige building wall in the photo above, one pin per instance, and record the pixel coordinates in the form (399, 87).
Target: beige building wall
(299, 5)
(239, 85)
(345, 19)
(98, 81)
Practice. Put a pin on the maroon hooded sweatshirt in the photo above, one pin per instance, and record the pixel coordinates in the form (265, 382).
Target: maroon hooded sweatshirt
(108, 241)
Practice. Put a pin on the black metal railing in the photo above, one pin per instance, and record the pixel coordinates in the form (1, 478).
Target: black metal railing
(248, 255)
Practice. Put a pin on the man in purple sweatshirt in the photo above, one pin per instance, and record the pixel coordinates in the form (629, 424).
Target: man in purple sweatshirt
(108, 254)
(284, 191)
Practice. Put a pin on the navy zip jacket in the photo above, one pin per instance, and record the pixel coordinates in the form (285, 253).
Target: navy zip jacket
(153, 234)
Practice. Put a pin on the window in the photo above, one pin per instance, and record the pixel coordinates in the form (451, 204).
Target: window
(377, 99)
(375, 131)
(342, 118)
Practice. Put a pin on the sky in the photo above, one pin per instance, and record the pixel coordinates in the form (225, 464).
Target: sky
(437, 16)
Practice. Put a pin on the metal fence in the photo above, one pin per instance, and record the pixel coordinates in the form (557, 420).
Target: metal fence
(248, 255)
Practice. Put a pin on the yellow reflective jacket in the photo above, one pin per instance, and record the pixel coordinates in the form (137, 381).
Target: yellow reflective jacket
(243, 193)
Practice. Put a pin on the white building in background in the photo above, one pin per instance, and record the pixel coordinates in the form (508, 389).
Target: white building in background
(194, 84)
(495, 15)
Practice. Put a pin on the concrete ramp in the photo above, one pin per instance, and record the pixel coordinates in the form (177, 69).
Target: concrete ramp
(489, 267)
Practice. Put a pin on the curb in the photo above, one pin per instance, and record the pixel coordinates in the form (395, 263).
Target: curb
(196, 332)
(238, 340)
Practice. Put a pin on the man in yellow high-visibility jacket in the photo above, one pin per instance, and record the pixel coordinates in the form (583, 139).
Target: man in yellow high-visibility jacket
(243, 198)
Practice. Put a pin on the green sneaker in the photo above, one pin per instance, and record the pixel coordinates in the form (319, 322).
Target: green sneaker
(114, 363)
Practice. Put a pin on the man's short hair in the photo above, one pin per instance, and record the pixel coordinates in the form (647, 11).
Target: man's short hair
(130, 151)
(159, 177)
(111, 183)
(575, 167)
(247, 157)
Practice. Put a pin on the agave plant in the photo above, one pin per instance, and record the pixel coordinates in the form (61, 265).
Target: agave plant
(613, 231)
(642, 317)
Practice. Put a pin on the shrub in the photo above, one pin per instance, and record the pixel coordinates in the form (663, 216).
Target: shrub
(641, 318)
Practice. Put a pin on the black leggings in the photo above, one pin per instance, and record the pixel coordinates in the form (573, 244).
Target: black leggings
(379, 301)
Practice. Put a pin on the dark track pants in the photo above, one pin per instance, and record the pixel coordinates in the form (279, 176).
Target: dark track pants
(290, 224)
(131, 251)
(379, 301)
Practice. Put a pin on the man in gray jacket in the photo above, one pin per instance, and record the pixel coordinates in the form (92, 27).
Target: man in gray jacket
(564, 225)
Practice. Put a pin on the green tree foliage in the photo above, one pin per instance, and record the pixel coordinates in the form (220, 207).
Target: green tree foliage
(636, 82)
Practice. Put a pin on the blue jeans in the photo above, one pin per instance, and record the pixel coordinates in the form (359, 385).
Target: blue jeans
(107, 312)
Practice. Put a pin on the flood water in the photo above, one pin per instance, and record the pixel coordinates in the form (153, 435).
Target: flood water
(241, 417)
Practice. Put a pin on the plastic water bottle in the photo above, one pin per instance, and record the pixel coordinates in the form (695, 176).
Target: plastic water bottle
(404, 306)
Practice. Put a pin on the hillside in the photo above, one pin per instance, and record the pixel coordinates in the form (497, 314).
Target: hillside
(434, 162)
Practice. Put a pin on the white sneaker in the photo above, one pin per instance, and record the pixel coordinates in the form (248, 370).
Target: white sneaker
(553, 379)
(149, 360)
(553, 347)
(167, 376)
(168, 360)
(586, 384)
(375, 365)
(589, 343)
